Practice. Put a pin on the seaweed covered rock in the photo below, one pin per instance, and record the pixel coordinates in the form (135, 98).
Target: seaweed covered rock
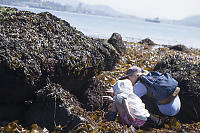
(39, 43)
(179, 47)
(117, 42)
(36, 49)
(188, 76)
(92, 98)
(147, 41)
(54, 107)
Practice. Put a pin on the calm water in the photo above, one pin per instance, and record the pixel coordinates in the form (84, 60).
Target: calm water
(131, 30)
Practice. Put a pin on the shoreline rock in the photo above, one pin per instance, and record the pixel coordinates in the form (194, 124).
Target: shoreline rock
(41, 49)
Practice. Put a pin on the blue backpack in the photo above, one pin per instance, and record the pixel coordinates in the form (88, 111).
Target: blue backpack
(161, 85)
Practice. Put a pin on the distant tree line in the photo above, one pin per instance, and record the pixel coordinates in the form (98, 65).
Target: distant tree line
(8, 2)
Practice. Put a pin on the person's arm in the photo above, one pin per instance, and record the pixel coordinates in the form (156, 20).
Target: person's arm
(109, 98)
(139, 89)
(126, 107)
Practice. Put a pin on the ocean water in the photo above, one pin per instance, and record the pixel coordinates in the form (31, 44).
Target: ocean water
(130, 29)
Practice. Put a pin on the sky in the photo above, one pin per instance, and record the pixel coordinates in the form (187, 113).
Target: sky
(165, 9)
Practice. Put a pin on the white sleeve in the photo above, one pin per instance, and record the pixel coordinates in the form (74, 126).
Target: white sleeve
(120, 97)
(139, 89)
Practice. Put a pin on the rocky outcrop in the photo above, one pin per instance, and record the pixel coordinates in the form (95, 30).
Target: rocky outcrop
(93, 98)
(179, 47)
(117, 42)
(54, 107)
(41, 49)
(188, 76)
(147, 41)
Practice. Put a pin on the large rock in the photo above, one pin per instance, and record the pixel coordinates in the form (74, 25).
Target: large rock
(38, 49)
(147, 41)
(117, 42)
(54, 107)
(92, 98)
(179, 47)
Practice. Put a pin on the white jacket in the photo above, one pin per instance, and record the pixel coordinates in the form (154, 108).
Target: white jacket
(124, 89)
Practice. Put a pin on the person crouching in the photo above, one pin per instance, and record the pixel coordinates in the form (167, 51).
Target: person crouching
(129, 106)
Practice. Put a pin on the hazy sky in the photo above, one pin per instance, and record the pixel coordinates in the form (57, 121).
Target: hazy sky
(167, 9)
(170, 9)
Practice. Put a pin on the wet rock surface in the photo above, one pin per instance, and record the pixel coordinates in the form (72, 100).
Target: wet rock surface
(42, 45)
(147, 41)
(54, 107)
(179, 47)
(38, 49)
(117, 42)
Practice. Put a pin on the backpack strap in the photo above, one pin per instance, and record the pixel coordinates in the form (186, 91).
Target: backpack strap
(170, 98)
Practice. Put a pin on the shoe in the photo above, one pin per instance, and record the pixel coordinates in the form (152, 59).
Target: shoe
(162, 120)
(159, 122)
(165, 119)
(155, 120)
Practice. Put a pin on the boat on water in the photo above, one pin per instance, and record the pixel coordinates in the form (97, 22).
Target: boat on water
(154, 20)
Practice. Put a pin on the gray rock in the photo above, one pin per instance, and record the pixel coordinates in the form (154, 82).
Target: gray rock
(117, 42)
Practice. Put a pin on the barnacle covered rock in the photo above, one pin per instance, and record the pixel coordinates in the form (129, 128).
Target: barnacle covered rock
(36, 49)
(178, 47)
(42, 43)
(147, 41)
(92, 98)
(117, 42)
(54, 107)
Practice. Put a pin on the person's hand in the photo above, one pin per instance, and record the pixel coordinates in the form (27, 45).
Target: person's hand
(108, 98)
(140, 74)
(111, 91)
(145, 72)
